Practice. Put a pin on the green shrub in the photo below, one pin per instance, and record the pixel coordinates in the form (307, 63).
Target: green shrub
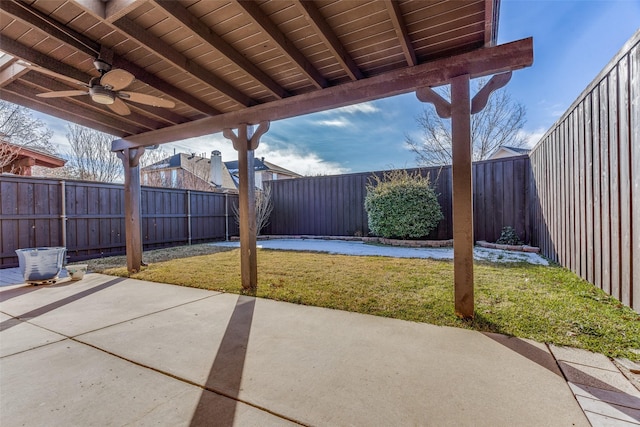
(508, 236)
(402, 206)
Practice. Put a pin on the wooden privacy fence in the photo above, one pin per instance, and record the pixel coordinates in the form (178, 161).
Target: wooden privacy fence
(334, 205)
(586, 181)
(88, 217)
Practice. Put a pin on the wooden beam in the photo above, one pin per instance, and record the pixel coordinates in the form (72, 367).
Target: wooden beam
(286, 46)
(245, 144)
(80, 42)
(163, 50)
(109, 10)
(32, 56)
(11, 73)
(326, 34)
(70, 108)
(478, 63)
(58, 31)
(462, 196)
(132, 196)
(491, 17)
(401, 31)
(59, 111)
(217, 43)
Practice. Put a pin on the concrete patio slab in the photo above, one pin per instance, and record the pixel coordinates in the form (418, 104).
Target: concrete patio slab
(71, 384)
(73, 308)
(160, 354)
(20, 336)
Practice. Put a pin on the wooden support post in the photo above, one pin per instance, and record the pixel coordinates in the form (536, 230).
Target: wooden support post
(245, 144)
(461, 147)
(459, 110)
(132, 219)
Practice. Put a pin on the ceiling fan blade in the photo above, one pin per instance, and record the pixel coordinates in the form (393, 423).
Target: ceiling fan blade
(62, 93)
(117, 79)
(119, 107)
(141, 98)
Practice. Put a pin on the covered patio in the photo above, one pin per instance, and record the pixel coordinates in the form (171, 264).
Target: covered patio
(204, 67)
(115, 351)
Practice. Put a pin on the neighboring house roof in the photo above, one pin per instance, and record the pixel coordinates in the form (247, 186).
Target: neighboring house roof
(24, 157)
(201, 167)
(280, 170)
(258, 166)
(505, 151)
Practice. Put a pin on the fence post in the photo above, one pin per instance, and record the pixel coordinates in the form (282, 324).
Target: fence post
(63, 212)
(226, 217)
(189, 216)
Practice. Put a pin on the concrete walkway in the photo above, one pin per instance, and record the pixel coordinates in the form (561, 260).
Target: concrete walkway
(114, 351)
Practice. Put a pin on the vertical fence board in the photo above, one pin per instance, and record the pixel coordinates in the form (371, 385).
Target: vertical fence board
(625, 180)
(614, 188)
(634, 143)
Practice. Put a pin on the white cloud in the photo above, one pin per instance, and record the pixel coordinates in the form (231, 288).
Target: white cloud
(365, 107)
(532, 137)
(307, 163)
(338, 123)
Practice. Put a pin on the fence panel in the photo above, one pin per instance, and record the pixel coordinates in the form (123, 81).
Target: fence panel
(598, 142)
(334, 205)
(91, 224)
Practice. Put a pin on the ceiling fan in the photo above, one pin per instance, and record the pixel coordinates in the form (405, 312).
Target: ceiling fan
(108, 90)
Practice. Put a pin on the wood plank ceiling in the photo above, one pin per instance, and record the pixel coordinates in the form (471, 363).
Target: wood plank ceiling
(217, 57)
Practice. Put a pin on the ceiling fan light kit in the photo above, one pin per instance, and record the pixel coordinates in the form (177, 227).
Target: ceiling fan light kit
(101, 95)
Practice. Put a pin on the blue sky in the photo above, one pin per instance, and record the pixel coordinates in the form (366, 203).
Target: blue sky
(573, 41)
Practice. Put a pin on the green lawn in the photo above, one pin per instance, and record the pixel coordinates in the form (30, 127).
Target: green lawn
(546, 304)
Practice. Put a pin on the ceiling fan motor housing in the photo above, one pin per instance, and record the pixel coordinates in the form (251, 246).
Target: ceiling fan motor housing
(101, 95)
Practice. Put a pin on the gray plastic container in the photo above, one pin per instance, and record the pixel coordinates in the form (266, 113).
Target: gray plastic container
(41, 264)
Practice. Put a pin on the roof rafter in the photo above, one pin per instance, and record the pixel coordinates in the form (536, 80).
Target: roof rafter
(21, 95)
(401, 31)
(324, 31)
(32, 56)
(482, 62)
(177, 11)
(109, 10)
(78, 41)
(162, 49)
(12, 72)
(54, 29)
(283, 43)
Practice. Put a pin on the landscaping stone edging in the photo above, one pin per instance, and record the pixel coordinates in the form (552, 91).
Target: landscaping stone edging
(390, 242)
(520, 248)
(403, 243)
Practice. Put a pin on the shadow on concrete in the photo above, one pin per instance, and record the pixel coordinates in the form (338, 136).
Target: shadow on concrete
(57, 304)
(6, 295)
(225, 376)
(530, 351)
(624, 402)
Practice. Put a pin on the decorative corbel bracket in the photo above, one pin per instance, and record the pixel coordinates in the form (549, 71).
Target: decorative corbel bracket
(479, 101)
(244, 136)
(130, 156)
(481, 98)
(443, 107)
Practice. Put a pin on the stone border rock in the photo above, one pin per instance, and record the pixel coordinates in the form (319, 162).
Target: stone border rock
(381, 240)
(520, 248)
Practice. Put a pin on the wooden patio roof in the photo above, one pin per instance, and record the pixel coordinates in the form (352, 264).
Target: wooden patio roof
(229, 62)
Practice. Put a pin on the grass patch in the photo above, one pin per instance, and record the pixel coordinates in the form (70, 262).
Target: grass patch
(546, 304)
